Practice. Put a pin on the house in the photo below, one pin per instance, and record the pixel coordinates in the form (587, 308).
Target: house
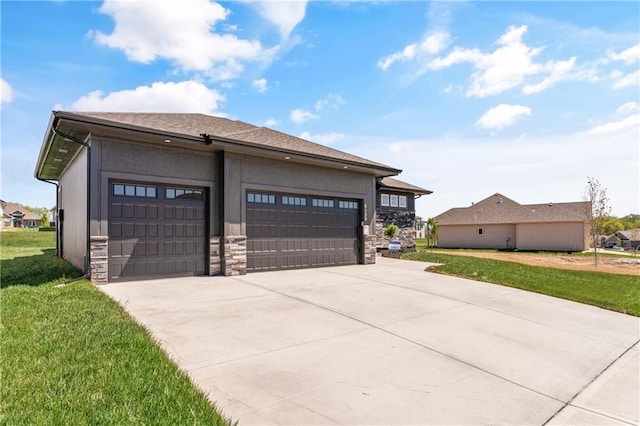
(629, 238)
(149, 195)
(16, 216)
(498, 222)
(395, 204)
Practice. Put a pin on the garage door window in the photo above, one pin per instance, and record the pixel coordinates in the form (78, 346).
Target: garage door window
(321, 202)
(183, 194)
(348, 204)
(294, 201)
(143, 191)
(253, 197)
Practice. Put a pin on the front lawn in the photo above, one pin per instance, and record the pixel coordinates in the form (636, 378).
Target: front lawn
(619, 293)
(71, 355)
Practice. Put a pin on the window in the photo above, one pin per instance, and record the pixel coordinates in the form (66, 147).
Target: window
(384, 199)
(393, 201)
(294, 201)
(253, 197)
(402, 201)
(142, 191)
(183, 194)
(348, 204)
(320, 202)
(480, 231)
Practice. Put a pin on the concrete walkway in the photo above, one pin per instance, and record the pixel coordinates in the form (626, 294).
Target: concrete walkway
(391, 344)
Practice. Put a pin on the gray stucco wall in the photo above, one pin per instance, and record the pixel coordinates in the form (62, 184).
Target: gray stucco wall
(73, 199)
(553, 236)
(247, 172)
(466, 236)
(159, 164)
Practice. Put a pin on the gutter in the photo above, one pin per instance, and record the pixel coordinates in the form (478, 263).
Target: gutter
(88, 186)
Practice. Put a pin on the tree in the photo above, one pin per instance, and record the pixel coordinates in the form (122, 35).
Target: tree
(598, 210)
(611, 224)
(631, 221)
(44, 219)
(432, 232)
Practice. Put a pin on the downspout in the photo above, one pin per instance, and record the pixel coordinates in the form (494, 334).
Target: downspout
(57, 221)
(88, 185)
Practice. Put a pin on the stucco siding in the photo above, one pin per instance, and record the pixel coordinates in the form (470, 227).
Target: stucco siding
(247, 172)
(127, 157)
(551, 236)
(73, 200)
(468, 236)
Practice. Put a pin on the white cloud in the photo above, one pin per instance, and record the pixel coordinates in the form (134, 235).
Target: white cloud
(148, 30)
(502, 115)
(628, 108)
(299, 115)
(285, 15)
(558, 71)
(324, 139)
(628, 124)
(271, 122)
(332, 101)
(260, 85)
(430, 45)
(185, 96)
(626, 80)
(6, 92)
(628, 56)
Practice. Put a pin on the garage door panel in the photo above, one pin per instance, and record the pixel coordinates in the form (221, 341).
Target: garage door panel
(303, 235)
(154, 236)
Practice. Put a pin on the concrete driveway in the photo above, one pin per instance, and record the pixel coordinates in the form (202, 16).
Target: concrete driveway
(391, 344)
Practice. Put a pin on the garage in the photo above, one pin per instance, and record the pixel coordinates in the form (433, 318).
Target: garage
(155, 230)
(286, 231)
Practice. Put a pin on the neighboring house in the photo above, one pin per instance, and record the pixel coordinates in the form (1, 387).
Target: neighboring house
(609, 241)
(395, 204)
(498, 222)
(16, 216)
(149, 195)
(629, 238)
(421, 227)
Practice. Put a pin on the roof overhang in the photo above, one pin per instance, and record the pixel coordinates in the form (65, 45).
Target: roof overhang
(58, 150)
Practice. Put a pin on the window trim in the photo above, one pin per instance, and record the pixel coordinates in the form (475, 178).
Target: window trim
(384, 200)
(402, 201)
(393, 200)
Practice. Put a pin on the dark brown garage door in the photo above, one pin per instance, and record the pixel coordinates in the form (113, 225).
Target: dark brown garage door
(155, 231)
(296, 231)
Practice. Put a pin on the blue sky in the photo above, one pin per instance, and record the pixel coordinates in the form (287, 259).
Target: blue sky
(528, 99)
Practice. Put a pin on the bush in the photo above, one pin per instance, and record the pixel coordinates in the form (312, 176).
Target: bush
(390, 231)
(47, 229)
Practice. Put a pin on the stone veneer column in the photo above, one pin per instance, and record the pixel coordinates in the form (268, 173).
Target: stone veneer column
(235, 255)
(99, 259)
(215, 260)
(369, 249)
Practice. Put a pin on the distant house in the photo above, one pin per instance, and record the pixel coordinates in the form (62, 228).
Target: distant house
(395, 204)
(16, 216)
(498, 222)
(629, 238)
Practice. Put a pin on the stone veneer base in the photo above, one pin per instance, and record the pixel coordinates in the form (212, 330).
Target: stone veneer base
(99, 259)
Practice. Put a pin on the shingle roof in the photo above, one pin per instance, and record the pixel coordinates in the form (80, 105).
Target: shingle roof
(10, 208)
(630, 234)
(498, 209)
(391, 183)
(194, 125)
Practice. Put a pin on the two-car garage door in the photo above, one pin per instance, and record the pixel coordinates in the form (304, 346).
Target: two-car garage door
(287, 231)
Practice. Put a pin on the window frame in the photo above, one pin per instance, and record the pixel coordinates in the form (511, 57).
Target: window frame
(384, 200)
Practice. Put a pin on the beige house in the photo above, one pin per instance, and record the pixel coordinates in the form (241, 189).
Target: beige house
(16, 216)
(497, 222)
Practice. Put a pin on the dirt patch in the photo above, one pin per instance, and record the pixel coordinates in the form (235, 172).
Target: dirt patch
(612, 265)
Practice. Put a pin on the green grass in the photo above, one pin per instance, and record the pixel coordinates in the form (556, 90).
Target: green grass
(71, 355)
(619, 293)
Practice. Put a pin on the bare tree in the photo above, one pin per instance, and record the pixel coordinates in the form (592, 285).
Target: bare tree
(598, 210)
